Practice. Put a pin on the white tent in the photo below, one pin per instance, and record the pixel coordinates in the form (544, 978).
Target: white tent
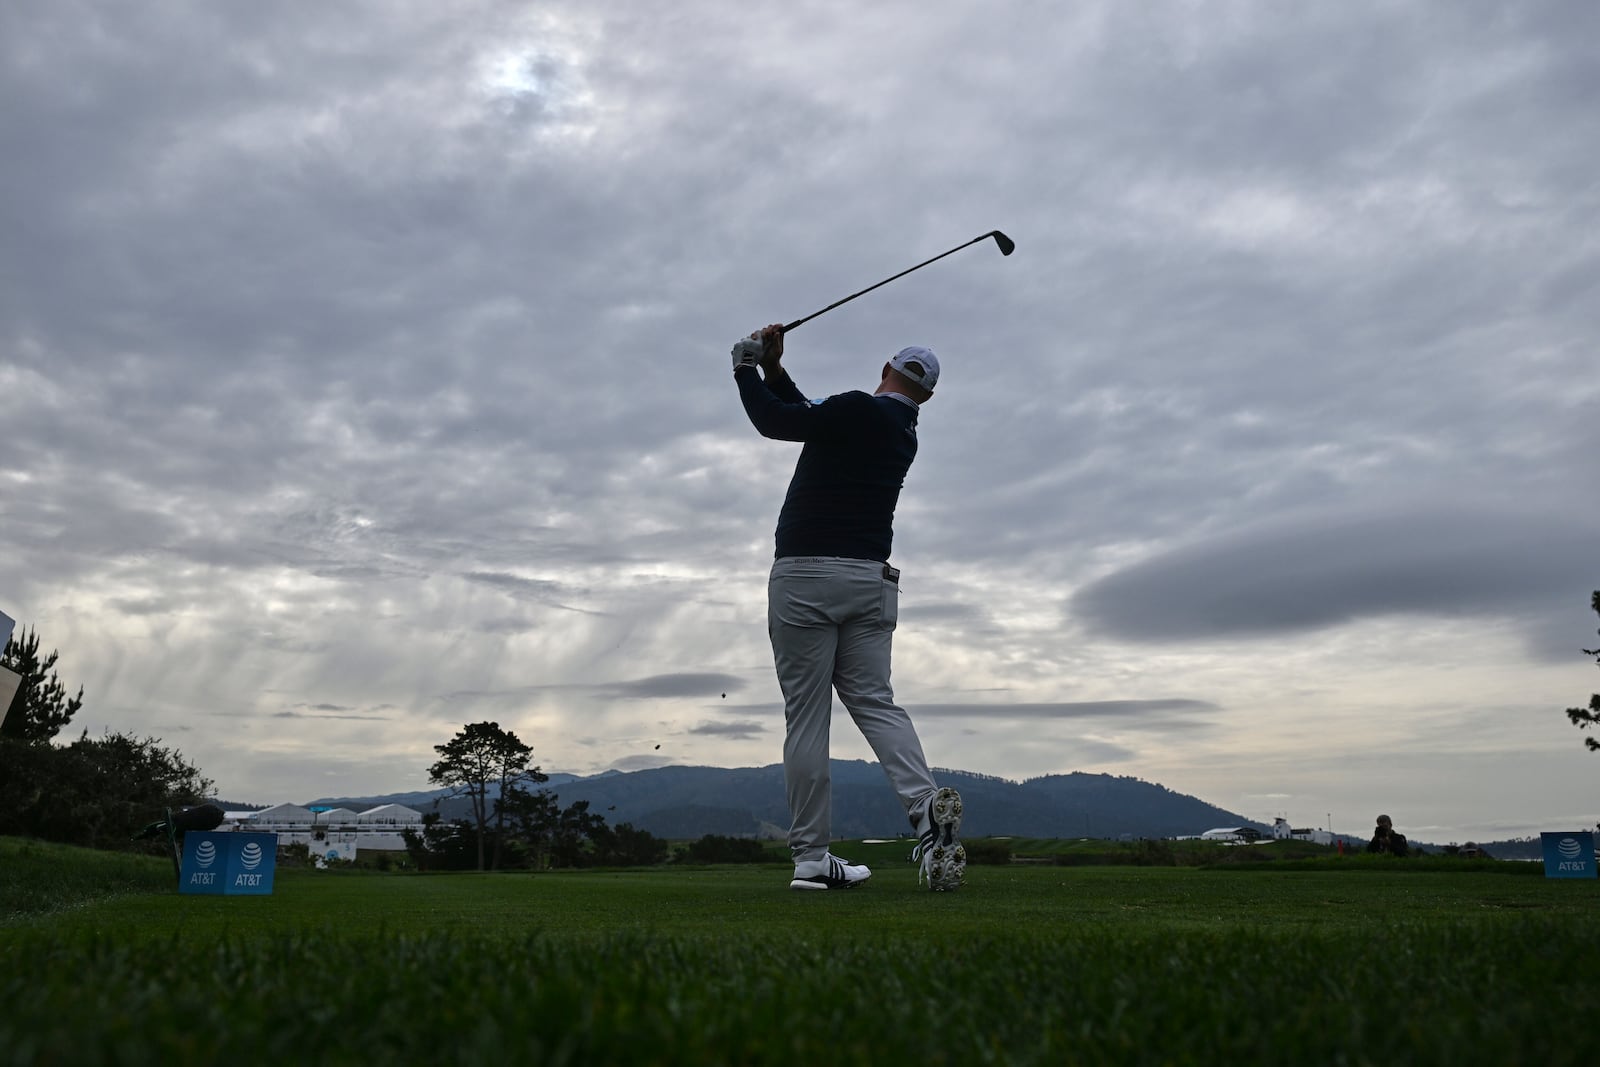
(390, 815)
(280, 815)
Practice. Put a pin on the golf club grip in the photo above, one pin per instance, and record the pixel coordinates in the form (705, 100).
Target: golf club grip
(886, 281)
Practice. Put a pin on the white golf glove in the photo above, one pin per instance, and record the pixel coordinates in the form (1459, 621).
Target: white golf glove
(746, 352)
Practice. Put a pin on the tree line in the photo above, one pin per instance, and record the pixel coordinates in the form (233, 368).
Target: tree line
(97, 791)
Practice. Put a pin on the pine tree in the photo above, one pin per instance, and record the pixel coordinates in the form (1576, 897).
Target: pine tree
(1583, 718)
(483, 759)
(40, 707)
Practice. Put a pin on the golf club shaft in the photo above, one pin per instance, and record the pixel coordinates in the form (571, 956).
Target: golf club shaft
(1000, 239)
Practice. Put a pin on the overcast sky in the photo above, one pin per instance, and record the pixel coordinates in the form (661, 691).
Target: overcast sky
(364, 372)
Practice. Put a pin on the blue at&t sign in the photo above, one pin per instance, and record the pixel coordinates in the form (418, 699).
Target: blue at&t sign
(1568, 855)
(228, 864)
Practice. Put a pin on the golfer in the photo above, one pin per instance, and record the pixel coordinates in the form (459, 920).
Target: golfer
(832, 599)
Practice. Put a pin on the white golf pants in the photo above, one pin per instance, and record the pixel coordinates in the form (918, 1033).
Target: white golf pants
(832, 622)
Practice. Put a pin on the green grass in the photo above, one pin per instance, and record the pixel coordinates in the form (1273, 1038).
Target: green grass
(37, 877)
(1027, 964)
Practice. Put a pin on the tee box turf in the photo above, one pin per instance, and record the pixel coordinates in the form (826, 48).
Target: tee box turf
(228, 863)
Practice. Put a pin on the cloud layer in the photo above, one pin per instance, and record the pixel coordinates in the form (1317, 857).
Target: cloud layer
(361, 368)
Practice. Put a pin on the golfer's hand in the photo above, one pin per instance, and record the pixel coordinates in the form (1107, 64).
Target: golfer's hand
(746, 352)
(771, 349)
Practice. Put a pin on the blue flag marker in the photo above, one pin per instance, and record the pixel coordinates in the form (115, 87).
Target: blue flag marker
(228, 864)
(1568, 855)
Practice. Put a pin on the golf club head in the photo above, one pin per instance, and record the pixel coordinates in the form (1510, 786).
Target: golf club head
(199, 817)
(1007, 245)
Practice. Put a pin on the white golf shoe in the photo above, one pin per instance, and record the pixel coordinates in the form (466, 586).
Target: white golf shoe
(830, 872)
(944, 860)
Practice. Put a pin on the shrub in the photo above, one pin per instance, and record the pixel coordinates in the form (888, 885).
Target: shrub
(988, 852)
(715, 848)
(297, 854)
(1151, 852)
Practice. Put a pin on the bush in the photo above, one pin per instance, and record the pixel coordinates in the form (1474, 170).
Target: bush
(95, 792)
(715, 848)
(627, 846)
(1146, 852)
(988, 852)
(1238, 854)
(297, 854)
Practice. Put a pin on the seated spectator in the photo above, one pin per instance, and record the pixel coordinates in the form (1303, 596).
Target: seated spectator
(1386, 840)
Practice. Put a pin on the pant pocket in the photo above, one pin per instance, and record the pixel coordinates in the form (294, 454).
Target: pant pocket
(889, 608)
(797, 601)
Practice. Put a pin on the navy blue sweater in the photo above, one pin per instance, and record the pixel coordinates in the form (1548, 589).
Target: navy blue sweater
(858, 448)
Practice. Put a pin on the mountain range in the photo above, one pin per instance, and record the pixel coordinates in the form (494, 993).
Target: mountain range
(685, 803)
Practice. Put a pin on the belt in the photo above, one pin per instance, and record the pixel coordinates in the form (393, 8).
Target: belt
(890, 574)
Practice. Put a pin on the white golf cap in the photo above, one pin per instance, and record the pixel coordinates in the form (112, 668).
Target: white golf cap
(918, 364)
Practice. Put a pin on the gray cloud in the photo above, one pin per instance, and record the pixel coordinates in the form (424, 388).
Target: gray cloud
(1092, 753)
(1307, 572)
(523, 588)
(639, 763)
(318, 714)
(744, 730)
(1167, 714)
(1075, 751)
(675, 685)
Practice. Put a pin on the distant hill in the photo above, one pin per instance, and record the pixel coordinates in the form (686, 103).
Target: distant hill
(422, 800)
(689, 802)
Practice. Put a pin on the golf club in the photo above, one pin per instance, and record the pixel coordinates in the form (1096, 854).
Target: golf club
(1007, 246)
(177, 823)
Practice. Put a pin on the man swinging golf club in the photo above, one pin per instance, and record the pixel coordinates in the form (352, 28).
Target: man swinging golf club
(832, 599)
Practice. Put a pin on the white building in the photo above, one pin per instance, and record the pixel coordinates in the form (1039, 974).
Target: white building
(332, 833)
(1282, 831)
(1233, 835)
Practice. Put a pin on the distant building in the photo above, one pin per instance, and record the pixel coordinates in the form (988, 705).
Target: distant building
(280, 818)
(330, 833)
(1282, 831)
(392, 816)
(1233, 835)
(329, 817)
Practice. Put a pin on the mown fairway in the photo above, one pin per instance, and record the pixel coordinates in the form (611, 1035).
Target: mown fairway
(1372, 964)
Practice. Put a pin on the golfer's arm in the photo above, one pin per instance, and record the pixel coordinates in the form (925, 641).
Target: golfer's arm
(788, 417)
(783, 387)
